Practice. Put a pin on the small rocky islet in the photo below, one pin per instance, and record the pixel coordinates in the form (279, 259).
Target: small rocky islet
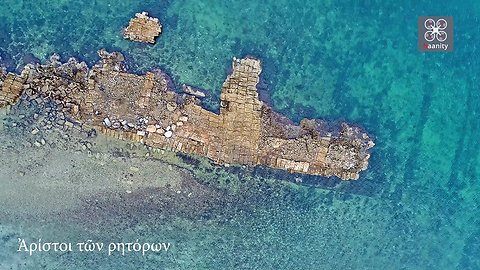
(143, 28)
(146, 108)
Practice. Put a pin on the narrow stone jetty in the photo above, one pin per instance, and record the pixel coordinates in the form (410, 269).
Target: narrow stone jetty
(143, 28)
(146, 109)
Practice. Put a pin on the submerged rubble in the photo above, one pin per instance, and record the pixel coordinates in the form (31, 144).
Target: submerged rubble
(146, 109)
(143, 28)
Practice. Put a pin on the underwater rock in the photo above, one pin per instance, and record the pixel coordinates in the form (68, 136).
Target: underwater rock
(29, 58)
(192, 91)
(245, 132)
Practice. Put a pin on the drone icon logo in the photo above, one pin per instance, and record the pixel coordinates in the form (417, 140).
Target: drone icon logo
(435, 30)
(435, 33)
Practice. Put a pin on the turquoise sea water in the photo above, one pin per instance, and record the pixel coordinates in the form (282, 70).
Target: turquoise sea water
(416, 207)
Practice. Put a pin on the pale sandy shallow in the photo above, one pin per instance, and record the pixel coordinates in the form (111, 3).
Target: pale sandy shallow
(45, 180)
(66, 193)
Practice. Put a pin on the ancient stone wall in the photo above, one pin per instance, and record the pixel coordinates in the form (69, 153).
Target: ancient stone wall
(144, 108)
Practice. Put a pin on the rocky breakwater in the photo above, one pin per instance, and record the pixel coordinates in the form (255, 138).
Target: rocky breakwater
(145, 108)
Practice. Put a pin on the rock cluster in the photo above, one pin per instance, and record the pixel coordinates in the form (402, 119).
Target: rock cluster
(42, 122)
(146, 108)
(143, 28)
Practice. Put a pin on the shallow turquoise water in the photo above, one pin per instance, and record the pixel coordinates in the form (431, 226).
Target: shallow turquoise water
(417, 207)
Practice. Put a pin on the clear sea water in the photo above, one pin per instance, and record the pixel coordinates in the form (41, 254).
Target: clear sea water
(416, 207)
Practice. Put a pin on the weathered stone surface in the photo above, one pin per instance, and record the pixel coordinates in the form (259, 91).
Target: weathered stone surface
(11, 87)
(144, 108)
(143, 28)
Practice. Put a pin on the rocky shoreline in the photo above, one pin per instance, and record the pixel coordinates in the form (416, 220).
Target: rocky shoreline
(145, 108)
